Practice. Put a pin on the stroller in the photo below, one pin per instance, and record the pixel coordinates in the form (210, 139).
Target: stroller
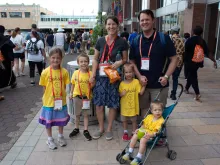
(171, 154)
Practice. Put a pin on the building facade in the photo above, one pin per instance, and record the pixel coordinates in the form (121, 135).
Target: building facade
(20, 15)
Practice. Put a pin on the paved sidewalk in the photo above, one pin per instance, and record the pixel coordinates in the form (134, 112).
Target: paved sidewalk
(193, 132)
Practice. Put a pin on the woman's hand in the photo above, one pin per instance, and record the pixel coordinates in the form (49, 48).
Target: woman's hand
(92, 80)
(116, 64)
(136, 131)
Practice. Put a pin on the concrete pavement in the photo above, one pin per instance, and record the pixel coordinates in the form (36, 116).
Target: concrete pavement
(193, 132)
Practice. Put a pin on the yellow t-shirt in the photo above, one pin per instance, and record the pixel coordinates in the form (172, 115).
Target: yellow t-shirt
(130, 102)
(83, 82)
(45, 80)
(152, 126)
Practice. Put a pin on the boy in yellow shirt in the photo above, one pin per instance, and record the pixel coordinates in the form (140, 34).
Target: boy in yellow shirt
(129, 90)
(81, 94)
(151, 124)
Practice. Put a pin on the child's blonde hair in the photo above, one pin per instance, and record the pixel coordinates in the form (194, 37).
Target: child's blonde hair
(126, 66)
(156, 103)
(83, 54)
(55, 50)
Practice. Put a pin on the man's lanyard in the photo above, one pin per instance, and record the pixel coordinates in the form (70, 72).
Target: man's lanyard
(51, 78)
(109, 51)
(155, 33)
(80, 87)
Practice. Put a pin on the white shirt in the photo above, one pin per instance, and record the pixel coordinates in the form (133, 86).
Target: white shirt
(18, 41)
(59, 39)
(39, 56)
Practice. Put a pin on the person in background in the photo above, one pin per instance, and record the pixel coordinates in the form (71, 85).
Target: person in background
(8, 33)
(125, 34)
(179, 45)
(59, 38)
(72, 44)
(34, 28)
(50, 41)
(7, 77)
(132, 36)
(192, 66)
(18, 51)
(85, 39)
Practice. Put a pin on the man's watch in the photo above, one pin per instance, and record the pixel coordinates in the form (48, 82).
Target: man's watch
(167, 77)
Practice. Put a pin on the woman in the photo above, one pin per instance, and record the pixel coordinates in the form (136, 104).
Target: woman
(104, 93)
(192, 67)
(18, 51)
(36, 54)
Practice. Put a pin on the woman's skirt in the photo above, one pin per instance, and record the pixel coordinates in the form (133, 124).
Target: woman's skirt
(106, 94)
(50, 117)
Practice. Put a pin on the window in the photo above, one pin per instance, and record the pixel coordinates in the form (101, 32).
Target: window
(3, 15)
(27, 14)
(15, 14)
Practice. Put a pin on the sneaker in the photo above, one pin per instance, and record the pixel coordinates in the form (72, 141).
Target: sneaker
(51, 144)
(22, 74)
(61, 141)
(126, 156)
(125, 137)
(74, 133)
(17, 75)
(87, 135)
(97, 135)
(135, 161)
(32, 83)
(109, 136)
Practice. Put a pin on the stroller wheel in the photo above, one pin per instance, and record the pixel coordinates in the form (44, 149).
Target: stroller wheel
(171, 155)
(118, 157)
(122, 161)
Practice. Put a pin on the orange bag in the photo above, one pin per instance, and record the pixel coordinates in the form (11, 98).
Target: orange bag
(198, 55)
(112, 74)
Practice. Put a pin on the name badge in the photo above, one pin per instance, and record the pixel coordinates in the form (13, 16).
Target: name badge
(86, 104)
(101, 70)
(145, 63)
(58, 104)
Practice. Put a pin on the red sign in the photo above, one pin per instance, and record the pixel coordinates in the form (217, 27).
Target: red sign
(74, 22)
(120, 17)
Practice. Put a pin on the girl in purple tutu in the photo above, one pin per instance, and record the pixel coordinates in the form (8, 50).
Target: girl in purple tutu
(54, 111)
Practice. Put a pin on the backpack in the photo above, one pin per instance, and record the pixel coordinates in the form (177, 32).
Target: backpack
(198, 55)
(179, 45)
(32, 47)
(85, 36)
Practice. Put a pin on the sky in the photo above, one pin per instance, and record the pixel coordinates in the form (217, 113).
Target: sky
(64, 7)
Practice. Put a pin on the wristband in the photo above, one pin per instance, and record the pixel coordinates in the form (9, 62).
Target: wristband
(167, 77)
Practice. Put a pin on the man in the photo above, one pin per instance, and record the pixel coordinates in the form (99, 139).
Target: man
(59, 38)
(6, 61)
(85, 39)
(50, 41)
(133, 36)
(150, 52)
(179, 45)
(8, 34)
(34, 28)
(125, 34)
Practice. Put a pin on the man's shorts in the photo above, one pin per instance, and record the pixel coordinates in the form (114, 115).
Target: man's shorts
(127, 118)
(19, 55)
(77, 104)
(150, 95)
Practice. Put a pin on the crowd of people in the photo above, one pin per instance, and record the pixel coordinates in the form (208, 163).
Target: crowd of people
(153, 58)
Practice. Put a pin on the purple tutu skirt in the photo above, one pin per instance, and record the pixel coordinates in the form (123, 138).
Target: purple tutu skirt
(49, 117)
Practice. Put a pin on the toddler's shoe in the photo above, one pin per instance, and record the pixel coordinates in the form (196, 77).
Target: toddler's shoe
(74, 133)
(61, 141)
(125, 137)
(51, 144)
(126, 156)
(87, 135)
(135, 161)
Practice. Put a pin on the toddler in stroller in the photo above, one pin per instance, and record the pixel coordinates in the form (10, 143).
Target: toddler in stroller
(150, 126)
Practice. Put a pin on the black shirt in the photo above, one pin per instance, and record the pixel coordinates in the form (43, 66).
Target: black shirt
(120, 45)
(125, 34)
(160, 53)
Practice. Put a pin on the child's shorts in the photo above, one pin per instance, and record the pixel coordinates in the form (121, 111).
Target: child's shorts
(78, 107)
(127, 118)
